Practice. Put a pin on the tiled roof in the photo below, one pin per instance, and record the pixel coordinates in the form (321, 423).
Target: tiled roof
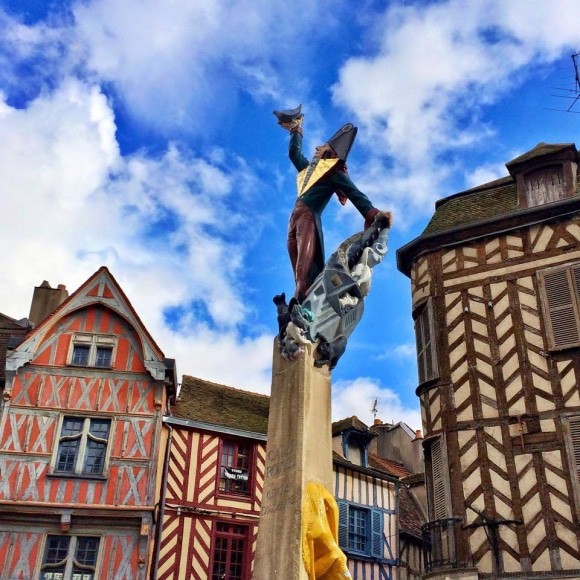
(491, 207)
(223, 406)
(474, 205)
(410, 514)
(349, 423)
(389, 466)
(492, 199)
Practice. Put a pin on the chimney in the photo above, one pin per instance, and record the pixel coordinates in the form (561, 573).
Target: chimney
(418, 459)
(377, 422)
(45, 301)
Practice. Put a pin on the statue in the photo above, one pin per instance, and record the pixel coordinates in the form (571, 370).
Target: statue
(328, 299)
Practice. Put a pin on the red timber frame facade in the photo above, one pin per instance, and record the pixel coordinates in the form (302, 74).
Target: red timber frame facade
(500, 403)
(79, 435)
(209, 506)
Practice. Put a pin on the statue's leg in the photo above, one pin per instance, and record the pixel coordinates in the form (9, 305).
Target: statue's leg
(303, 249)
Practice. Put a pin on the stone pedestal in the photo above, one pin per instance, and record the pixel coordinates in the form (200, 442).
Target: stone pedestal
(299, 452)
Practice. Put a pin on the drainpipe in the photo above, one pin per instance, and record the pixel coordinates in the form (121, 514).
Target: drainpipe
(161, 512)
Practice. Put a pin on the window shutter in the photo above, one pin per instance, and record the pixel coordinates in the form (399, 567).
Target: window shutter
(574, 423)
(377, 534)
(562, 287)
(342, 524)
(438, 474)
(424, 332)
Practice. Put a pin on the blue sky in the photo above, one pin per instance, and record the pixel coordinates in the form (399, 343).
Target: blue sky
(138, 134)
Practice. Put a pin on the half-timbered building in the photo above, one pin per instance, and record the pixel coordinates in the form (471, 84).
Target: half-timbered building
(82, 412)
(210, 491)
(371, 497)
(496, 303)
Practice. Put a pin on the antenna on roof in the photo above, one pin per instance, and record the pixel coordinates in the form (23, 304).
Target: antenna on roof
(375, 409)
(570, 94)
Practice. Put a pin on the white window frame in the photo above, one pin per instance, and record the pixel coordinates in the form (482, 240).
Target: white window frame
(81, 452)
(68, 572)
(93, 342)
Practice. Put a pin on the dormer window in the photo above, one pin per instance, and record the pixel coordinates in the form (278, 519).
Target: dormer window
(356, 453)
(546, 174)
(355, 446)
(545, 185)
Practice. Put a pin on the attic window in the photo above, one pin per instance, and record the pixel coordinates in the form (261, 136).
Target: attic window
(544, 185)
(92, 350)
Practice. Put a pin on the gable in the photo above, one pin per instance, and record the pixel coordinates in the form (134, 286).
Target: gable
(94, 320)
(100, 300)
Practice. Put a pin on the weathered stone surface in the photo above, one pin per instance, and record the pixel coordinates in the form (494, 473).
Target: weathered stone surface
(299, 451)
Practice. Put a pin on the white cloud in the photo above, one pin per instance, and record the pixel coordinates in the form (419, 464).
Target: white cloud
(433, 68)
(485, 174)
(184, 64)
(400, 352)
(357, 398)
(72, 203)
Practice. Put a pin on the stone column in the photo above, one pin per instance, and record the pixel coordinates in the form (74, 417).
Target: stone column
(299, 452)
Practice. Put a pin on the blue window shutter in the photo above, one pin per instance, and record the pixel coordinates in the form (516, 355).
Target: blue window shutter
(342, 524)
(377, 534)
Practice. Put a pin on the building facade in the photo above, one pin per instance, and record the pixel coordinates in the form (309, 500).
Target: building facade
(496, 303)
(371, 498)
(210, 493)
(83, 402)
(214, 449)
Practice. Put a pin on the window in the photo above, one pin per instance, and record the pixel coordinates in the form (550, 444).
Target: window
(92, 350)
(355, 447)
(235, 467)
(229, 552)
(560, 294)
(437, 483)
(544, 185)
(360, 530)
(81, 355)
(70, 558)
(425, 335)
(103, 357)
(572, 425)
(82, 446)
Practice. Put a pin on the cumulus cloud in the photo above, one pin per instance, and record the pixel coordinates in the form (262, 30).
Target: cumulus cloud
(72, 203)
(400, 352)
(206, 54)
(357, 398)
(434, 67)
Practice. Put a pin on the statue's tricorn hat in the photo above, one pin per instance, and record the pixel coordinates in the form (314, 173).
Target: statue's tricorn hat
(289, 115)
(342, 140)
